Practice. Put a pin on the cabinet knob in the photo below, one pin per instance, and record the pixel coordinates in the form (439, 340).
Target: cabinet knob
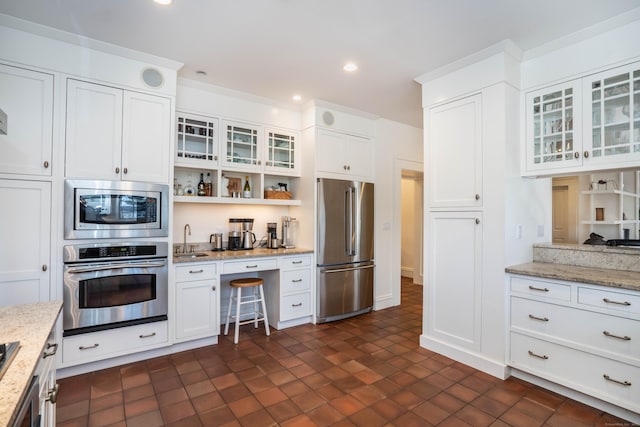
(259, 162)
(124, 170)
(586, 154)
(576, 155)
(344, 167)
(213, 288)
(117, 169)
(44, 267)
(477, 197)
(348, 167)
(46, 164)
(477, 220)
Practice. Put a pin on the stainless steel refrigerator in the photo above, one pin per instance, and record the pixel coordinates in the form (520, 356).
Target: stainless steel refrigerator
(345, 262)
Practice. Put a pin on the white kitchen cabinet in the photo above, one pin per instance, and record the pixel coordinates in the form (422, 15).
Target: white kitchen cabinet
(552, 141)
(455, 154)
(46, 372)
(25, 230)
(197, 301)
(115, 134)
(242, 147)
(340, 155)
(282, 152)
(454, 290)
(27, 99)
(586, 124)
(289, 302)
(197, 141)
(585, 340)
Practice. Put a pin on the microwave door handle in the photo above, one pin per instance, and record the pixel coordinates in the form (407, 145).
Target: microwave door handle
(115, 267)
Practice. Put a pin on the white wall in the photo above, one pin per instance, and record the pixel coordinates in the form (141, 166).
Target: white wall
(396, 144)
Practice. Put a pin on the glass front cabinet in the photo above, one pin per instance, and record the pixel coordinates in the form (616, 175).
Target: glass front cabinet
(585, 124)
(241, 146)
(196, 141)
(282, 152)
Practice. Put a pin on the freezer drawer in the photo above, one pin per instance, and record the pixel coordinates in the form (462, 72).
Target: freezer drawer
(344, 291)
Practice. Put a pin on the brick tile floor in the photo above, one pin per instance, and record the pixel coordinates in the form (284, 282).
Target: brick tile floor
(366, 371)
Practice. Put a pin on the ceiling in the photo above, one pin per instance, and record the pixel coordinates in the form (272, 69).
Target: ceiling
(275, 48)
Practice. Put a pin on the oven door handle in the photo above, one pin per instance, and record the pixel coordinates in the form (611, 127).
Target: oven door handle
(115, 267)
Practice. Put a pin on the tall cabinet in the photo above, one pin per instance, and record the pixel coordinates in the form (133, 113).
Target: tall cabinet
(470, 148)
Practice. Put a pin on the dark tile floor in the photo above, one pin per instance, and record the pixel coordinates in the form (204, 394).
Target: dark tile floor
(366, 371)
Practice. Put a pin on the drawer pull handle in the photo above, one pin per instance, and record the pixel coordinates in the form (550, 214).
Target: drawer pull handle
(88, 348)
(252, 266)
(297, 305)
(609, 334)
(152, 334)
(624, 383)
(610, 301)
(296, 262)
(196, 271)
(48, 353)
(544, 357)
(544, 319)
(533, 288)
(296, 281)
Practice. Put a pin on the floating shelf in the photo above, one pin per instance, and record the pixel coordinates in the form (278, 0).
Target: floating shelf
(235, 201)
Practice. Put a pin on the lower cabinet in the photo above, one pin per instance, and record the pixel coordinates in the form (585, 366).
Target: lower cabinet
(289, 303)
(581, 336)
(91, 347)
(197, 301)
(46, 372)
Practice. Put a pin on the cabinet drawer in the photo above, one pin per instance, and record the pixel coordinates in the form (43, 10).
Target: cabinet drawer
(609, 299)
(295, 262)
(113, 342)
(542, 289)
(607, 379)
(597, 332)
(295, 305)
(295, 280)
(195, 272)
(254, 264)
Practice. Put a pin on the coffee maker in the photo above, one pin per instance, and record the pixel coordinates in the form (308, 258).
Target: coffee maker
(272, 235)
(235, 234)
(248, 237)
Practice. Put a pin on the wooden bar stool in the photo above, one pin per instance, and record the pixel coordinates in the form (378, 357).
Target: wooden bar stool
(257, 296)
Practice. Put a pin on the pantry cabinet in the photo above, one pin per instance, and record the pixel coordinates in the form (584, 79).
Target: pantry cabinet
(27, 100)
(115, 134)
(25, 230)
(197, 301)
(586, 124)
(344, 156)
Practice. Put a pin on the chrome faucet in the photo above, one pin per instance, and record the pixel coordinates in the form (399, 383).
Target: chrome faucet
(184, 242)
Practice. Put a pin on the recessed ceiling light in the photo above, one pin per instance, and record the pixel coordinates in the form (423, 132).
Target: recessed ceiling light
(296, 97)
(163, 2)
(350, 67)
(201, 72)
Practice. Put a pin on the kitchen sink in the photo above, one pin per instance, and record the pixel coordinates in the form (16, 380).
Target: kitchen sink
(192, 255)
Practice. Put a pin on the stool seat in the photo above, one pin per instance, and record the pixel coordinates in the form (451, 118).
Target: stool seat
(256, 299)
(246, 282)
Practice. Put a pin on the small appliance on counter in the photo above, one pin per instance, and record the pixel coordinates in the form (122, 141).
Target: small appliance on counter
(235, 234)
(287, 232)
(248, 237)
(216, 242)
(272, 235)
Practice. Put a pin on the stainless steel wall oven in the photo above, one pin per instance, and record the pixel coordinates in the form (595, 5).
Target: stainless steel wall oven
(110, 285)
(115, 209)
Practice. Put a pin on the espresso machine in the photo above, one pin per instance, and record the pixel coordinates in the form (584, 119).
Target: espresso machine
(272, 235)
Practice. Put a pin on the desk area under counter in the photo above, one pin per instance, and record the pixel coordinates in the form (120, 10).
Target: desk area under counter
(202, 288)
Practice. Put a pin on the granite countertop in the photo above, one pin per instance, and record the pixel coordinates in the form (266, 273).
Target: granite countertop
(622, 279)
(30, 324)
(232, 255)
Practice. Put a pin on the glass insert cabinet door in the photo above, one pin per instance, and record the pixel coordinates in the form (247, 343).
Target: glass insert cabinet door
(281, 150)
(196, 139)
(241, 145)
(615, 114)
(553, 141)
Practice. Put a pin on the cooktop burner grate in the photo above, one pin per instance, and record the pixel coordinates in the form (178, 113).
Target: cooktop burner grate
(7, 353)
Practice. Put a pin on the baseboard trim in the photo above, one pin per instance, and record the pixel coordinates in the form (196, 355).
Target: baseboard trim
(382, 302)
(475, 360)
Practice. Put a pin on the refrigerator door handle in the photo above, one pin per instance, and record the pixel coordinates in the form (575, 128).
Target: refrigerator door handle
(351, 221)
(341, 270)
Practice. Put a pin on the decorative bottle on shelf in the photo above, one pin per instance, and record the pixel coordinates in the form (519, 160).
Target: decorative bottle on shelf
(208, 186)
(201, 190)
(247, 188)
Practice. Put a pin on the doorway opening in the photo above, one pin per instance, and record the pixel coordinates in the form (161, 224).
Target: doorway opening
(565, 210)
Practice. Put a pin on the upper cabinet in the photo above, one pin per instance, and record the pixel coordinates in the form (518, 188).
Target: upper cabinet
(114, 134)
(27, 100)
(197, 141)
(242, 147)
(585, 124)
(455, 153)
(345, 156)
(282, 154)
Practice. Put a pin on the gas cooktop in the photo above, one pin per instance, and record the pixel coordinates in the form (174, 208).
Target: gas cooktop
(7, 353)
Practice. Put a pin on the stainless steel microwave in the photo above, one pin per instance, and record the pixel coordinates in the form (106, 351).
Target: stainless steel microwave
(115, 209)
